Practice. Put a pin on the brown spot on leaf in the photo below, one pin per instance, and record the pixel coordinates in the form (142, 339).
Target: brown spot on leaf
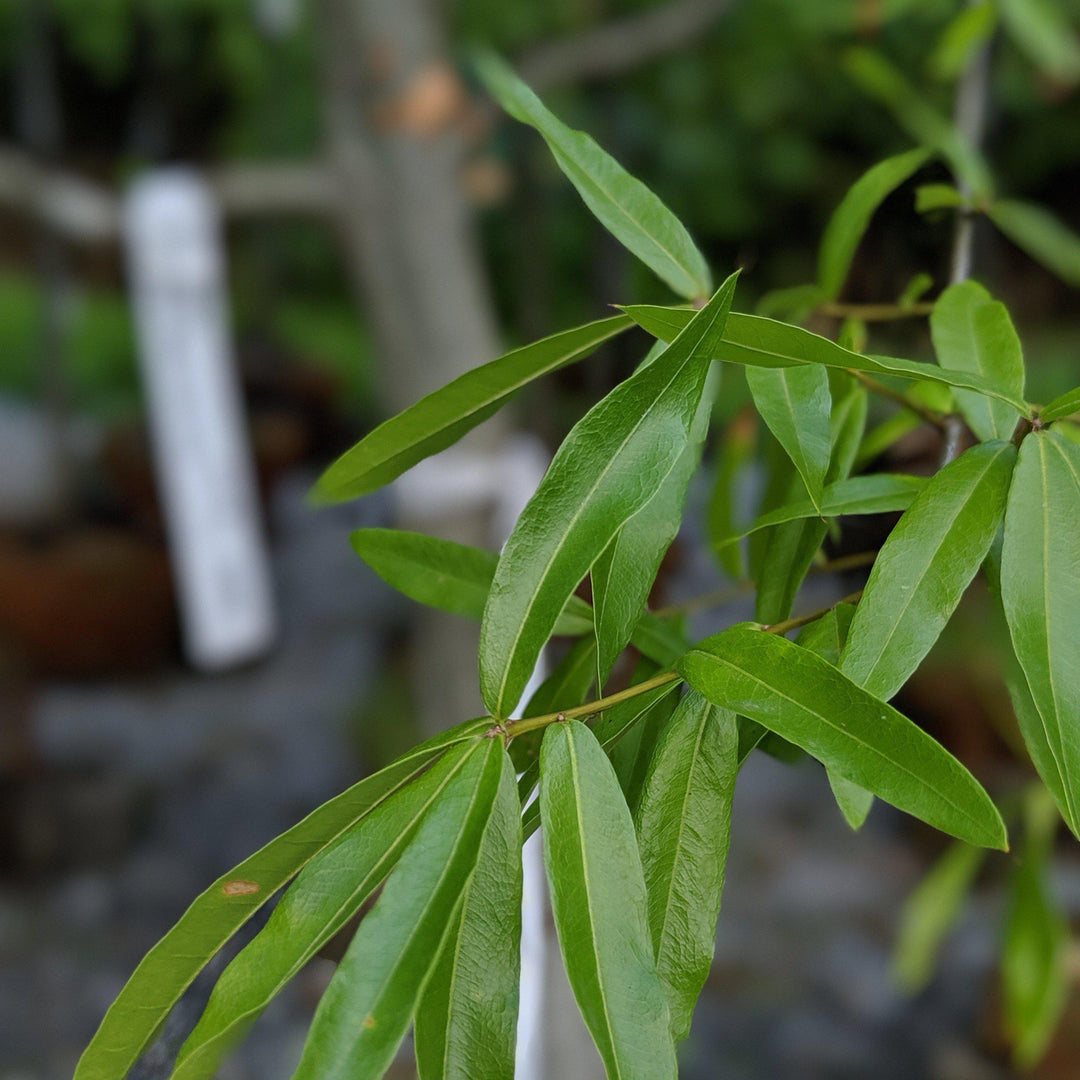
(369, 1022)
(240, 888)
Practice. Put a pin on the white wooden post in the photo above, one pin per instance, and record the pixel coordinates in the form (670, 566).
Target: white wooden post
(206, 477)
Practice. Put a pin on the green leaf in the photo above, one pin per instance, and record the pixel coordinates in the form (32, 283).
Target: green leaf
(1040, 590)
(369, 1004)
(931, 912)
(1044, 237)
(322, 899)
(902, 422)
(969, 30)
(826, 637)
(621, 203)
(795, 403)
(790, 548)
(759, 342)
(684, 825)
(610, 465)
(600, 906)
(807, 701)
(878, 493)
(931, 197)
(440, 419)
(1034, 961)
(882, 81)
(734, 457)
(850, 219)
(623, 575)
(924, 567)
(1064, 405)
(466, 1023)
(445, 575)
(971, 332)
(1043, 31)
(171, 965)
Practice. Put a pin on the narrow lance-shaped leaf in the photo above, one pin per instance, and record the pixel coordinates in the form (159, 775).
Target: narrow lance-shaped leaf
(790, 548)
(369, 1004)
(623, 575)
(968, 30)
(324, 896)
(1040, 591)
(684, 824)
(1046, 238)
(600, 906)
(931, 912)
(1043, 30)
(795, 403)
(972, 332)
(466, 1022)
(440, 419)
(1064, 405)
(171, 965)
(807, 701)
(759, 342)
(610, 465)
(850, 219)
(446, 575)
(826, 637)
(925, 566)
(877, 493)
(622, 204)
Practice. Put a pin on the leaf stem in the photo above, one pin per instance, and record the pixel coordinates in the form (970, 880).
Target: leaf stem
(518, 727)
(931, 416)
(813, 616)
(874, 312)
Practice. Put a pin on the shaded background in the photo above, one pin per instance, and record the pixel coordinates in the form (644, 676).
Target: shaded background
(387, 229)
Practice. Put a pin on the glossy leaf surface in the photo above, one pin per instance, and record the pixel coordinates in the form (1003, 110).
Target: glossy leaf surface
(807, 701)
(466, 1022)
(440, 419)
(600, 906)
(1040, 591)
(611, 464)
(684, 825)
(972, 332)
(925, 566)
(368, 1006)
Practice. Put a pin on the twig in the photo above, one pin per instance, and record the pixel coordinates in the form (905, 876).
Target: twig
(874, 312)
(813, 616)
(931, 416)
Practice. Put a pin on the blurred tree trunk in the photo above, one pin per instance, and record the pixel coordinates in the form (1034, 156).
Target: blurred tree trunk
(394, 111)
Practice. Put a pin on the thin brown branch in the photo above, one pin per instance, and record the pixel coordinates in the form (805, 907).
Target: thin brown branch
(813, 616)
(931, 416)
(875, 312)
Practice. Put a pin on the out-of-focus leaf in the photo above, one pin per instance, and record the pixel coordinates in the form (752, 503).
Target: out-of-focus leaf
(1042, 29)
(466, 1022)
(622, 204)
(684, 824)
(878, 78)
(368, 1006)
(1064, 405)
(171, 965)
(446, 575)
(600, 906)
(758, 342)
(878, 493)
(913, 292)
(807, 701)
(1040, 591)
(440, 419)
(794, 303)
(924, 567)
(611, 464)
(879, 438)
(972, 332)
(1044, 237)
(931, 197)
(931, 912)
(968, 30)
(795, 403)
(850, 219)
(324, 896)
